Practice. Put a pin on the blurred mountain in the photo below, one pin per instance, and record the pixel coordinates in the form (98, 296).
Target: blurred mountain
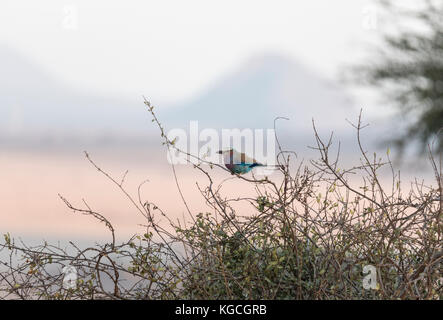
(265, 87)
(34, 102)
(37, 107)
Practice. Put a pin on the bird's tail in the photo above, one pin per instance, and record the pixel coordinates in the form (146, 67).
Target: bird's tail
(257, 165)
(270, 165)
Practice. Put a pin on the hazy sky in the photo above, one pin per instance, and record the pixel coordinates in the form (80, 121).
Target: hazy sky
(172, 49)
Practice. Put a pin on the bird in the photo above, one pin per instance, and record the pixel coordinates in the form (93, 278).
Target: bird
(238, 163)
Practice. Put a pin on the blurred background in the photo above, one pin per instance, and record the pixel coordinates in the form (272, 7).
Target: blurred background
(73, 75)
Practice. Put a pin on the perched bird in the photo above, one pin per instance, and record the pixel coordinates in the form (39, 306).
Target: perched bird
(238, 163)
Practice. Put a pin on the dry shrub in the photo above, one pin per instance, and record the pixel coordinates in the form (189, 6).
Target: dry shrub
(308, 235)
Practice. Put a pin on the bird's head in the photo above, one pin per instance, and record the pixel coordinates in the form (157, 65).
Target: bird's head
(224, 151)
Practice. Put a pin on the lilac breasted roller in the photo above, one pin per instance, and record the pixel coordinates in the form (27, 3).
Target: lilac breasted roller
(238, 163)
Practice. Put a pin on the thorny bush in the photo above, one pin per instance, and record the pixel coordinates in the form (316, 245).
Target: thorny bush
(308, 235)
